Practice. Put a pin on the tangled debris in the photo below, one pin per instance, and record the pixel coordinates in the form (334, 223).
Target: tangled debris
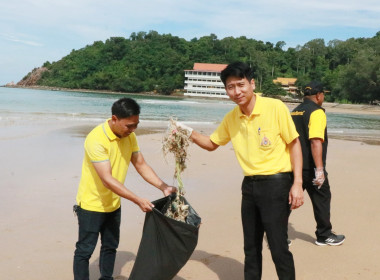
(176, 142)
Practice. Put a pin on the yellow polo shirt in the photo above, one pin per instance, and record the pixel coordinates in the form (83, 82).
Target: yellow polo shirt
(317, 124)
(102, 144)
(259, 140)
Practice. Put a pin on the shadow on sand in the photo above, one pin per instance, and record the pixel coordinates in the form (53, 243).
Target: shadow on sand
(293, 235)
(225, 268)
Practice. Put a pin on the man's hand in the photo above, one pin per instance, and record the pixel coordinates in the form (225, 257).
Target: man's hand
(188, 129)
(296, 196)
(319, 177)
(144, 204)
(167, 190)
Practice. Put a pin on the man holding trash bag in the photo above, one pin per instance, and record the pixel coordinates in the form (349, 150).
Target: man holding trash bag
(109, 148)
(267, 147)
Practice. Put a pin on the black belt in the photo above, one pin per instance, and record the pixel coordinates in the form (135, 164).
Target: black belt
(267, 177)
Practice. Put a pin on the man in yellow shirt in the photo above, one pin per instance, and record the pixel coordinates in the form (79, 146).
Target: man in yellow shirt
(267, 147)
(109, 148)
(310, 120)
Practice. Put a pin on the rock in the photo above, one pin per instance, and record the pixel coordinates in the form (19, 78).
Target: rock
(32, 78)
(11, 84)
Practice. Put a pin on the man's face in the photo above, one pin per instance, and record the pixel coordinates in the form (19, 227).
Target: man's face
(124, 127)
(320, 97)
(240, 90)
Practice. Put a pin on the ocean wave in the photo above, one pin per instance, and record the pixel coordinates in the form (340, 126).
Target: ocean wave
(166, 102)
(335, 131)
(186, 102)
(36, 117)
(194, 123)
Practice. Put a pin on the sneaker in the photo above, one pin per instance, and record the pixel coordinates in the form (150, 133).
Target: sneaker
(289, 242)
(333, 240)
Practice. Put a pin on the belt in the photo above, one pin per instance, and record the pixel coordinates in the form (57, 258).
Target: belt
(268, 177)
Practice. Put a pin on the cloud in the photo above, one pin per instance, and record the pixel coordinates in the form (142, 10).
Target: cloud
(264, 20)
(99, 20)
(48, 30)
(17, 39)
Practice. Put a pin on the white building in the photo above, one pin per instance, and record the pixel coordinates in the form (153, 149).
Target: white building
(204, 80)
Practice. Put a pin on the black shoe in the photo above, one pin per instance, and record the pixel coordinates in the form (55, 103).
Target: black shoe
(333, 240)
(289, 242)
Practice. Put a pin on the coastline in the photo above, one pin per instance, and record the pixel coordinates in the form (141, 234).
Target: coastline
(346, 108)
(147, 127)
(329, 106)
(80, 125)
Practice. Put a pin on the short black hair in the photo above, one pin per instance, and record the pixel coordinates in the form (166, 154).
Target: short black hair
(236, 69)
(125, 108)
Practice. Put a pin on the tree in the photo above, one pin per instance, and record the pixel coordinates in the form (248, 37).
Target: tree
(360, 81)
(149, 61)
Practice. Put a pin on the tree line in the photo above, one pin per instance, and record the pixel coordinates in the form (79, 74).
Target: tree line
(149, 61)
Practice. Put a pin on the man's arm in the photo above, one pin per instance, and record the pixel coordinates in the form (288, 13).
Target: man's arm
(104, 171)
(296, 191)
(317, 127)
(316, 152)
(203, 141)
(149, 175)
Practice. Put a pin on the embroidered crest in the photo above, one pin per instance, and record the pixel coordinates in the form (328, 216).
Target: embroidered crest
(265, 141)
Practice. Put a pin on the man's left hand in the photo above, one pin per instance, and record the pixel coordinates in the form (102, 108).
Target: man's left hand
(167, 190)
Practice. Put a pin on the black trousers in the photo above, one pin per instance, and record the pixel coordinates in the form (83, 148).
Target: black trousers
(321, 201)
(91, 224)
(265, 208)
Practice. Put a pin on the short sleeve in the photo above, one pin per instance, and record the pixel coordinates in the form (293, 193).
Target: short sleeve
(221, 136)
(96, 150)
(287, 126)
(134, 143)
(317, 124)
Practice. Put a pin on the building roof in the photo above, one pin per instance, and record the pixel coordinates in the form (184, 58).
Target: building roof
(209, 67)
(285, 81)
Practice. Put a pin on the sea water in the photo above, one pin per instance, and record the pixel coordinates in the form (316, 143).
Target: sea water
(33, 105)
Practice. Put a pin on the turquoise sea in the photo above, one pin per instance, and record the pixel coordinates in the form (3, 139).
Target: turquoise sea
(33, 105)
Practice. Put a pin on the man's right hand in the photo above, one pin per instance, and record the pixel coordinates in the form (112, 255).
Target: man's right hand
(188, 129)
(144, 204)
(296, 198)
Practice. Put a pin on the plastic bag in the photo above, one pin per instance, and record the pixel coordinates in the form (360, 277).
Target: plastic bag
(166, 244)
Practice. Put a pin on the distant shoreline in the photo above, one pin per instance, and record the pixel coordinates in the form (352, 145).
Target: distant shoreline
(330, 107)
(90, 90)
(149, 128)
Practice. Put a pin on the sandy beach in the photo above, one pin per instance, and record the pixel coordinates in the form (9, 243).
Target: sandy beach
(40, 171)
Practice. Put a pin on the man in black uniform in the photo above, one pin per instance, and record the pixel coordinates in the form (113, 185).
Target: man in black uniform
(310, 120)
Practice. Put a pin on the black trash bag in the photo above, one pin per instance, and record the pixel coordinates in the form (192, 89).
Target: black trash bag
(166, 244)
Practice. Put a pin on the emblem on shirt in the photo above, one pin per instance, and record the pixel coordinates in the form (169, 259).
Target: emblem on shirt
(265, 142)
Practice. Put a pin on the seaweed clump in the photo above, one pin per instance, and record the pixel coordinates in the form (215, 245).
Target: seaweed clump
(176, 142)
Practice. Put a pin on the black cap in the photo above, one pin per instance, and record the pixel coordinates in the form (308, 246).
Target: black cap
(313, 88)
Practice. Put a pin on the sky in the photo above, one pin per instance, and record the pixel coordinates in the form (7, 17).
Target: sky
(35, 31)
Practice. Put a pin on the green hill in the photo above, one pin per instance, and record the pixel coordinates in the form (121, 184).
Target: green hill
(147, 62)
